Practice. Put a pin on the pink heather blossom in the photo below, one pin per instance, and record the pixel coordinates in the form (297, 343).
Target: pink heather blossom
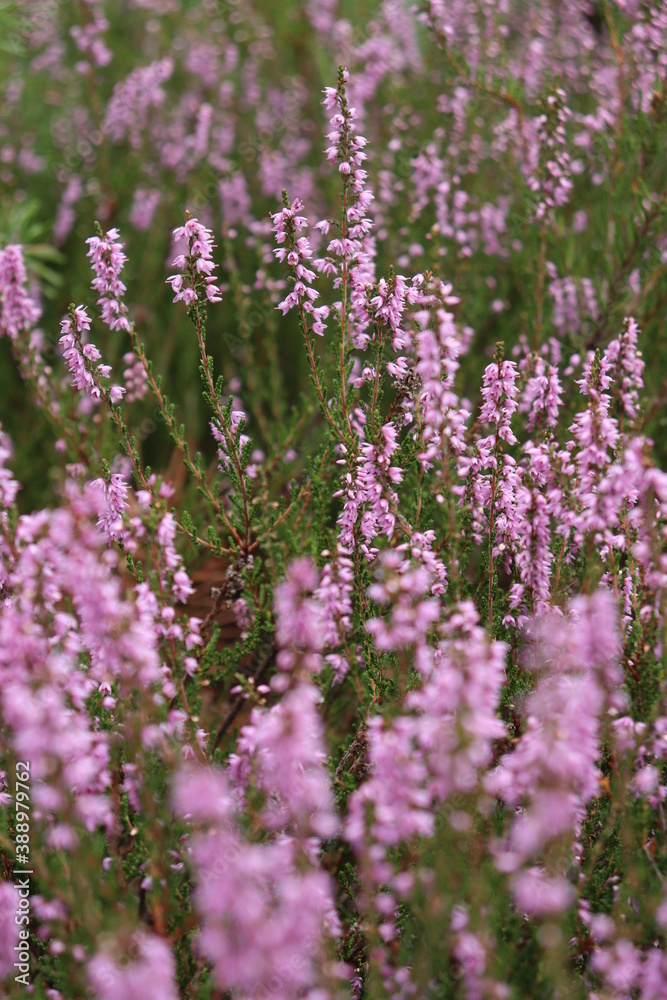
(369, 496)
(627, 970)
(144, 206)
(142, 965)
(115, 495)
(197, 265)
(9, 487)
(594, 437)
(553, 770)
(542, 395)
(301, 625)
(471, 952)
(624, 360)
(56, 653)
(537, 497)
(492, 476)
(421, 759)
(438, 350)
(354, 249)
(132, 99)
(263, 914)
(66, 215)
(499, 392)
(334, 592)
(284, 749)
(538, 894)
(18, 312)
(552, 183)
(89, 41)
(81, 357)
(225, 438)
(173, 575)
(107, 260)
(422, 719)
(286, 225)
(136, 380)
(413, 612)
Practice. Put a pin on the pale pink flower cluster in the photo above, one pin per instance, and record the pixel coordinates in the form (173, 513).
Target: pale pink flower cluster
(107, 260)
(81, 357)
(296, 251)
(18, 311)
(197, 265)
(553, 773)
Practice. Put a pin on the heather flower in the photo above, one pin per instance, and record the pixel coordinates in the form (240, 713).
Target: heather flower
(136, 381)
(54, 659)
(18, 312)
(541, 398)
(144, 206)
(66, 215)
(443, 414)
(552, 183)
(370, 500)
(533, 558)
(538, 894)
(263, 916)
(334, 592)
(107, 260)
(413, 612)
(594, 438)
(301, 620)
(132, 98)
(537, 498)
(172, 569)
(396, 791)
(354, 248)
(625, 362)
(285, 749)
(471, 952)
(115, 495)
(492, 477)
(231, 440)
(89, 41)
(499, 392)
(9, 487)
(286, 225)
(575, 301)
(197, 281)
(378, 751)
(553, 770)
(81, 357)
(421, 759)
(143, 965)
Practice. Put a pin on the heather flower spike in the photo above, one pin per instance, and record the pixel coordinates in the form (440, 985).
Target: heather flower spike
(18, 312)
(81, 357)
(107, 260)
(197, 281)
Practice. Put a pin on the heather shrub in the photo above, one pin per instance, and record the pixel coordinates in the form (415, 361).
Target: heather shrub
(332, 508)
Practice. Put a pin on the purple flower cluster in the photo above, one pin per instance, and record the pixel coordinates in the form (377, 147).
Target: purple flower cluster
(197, 265)
(107, 260)
(18, 311)
(81, 357)
(286, 225)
